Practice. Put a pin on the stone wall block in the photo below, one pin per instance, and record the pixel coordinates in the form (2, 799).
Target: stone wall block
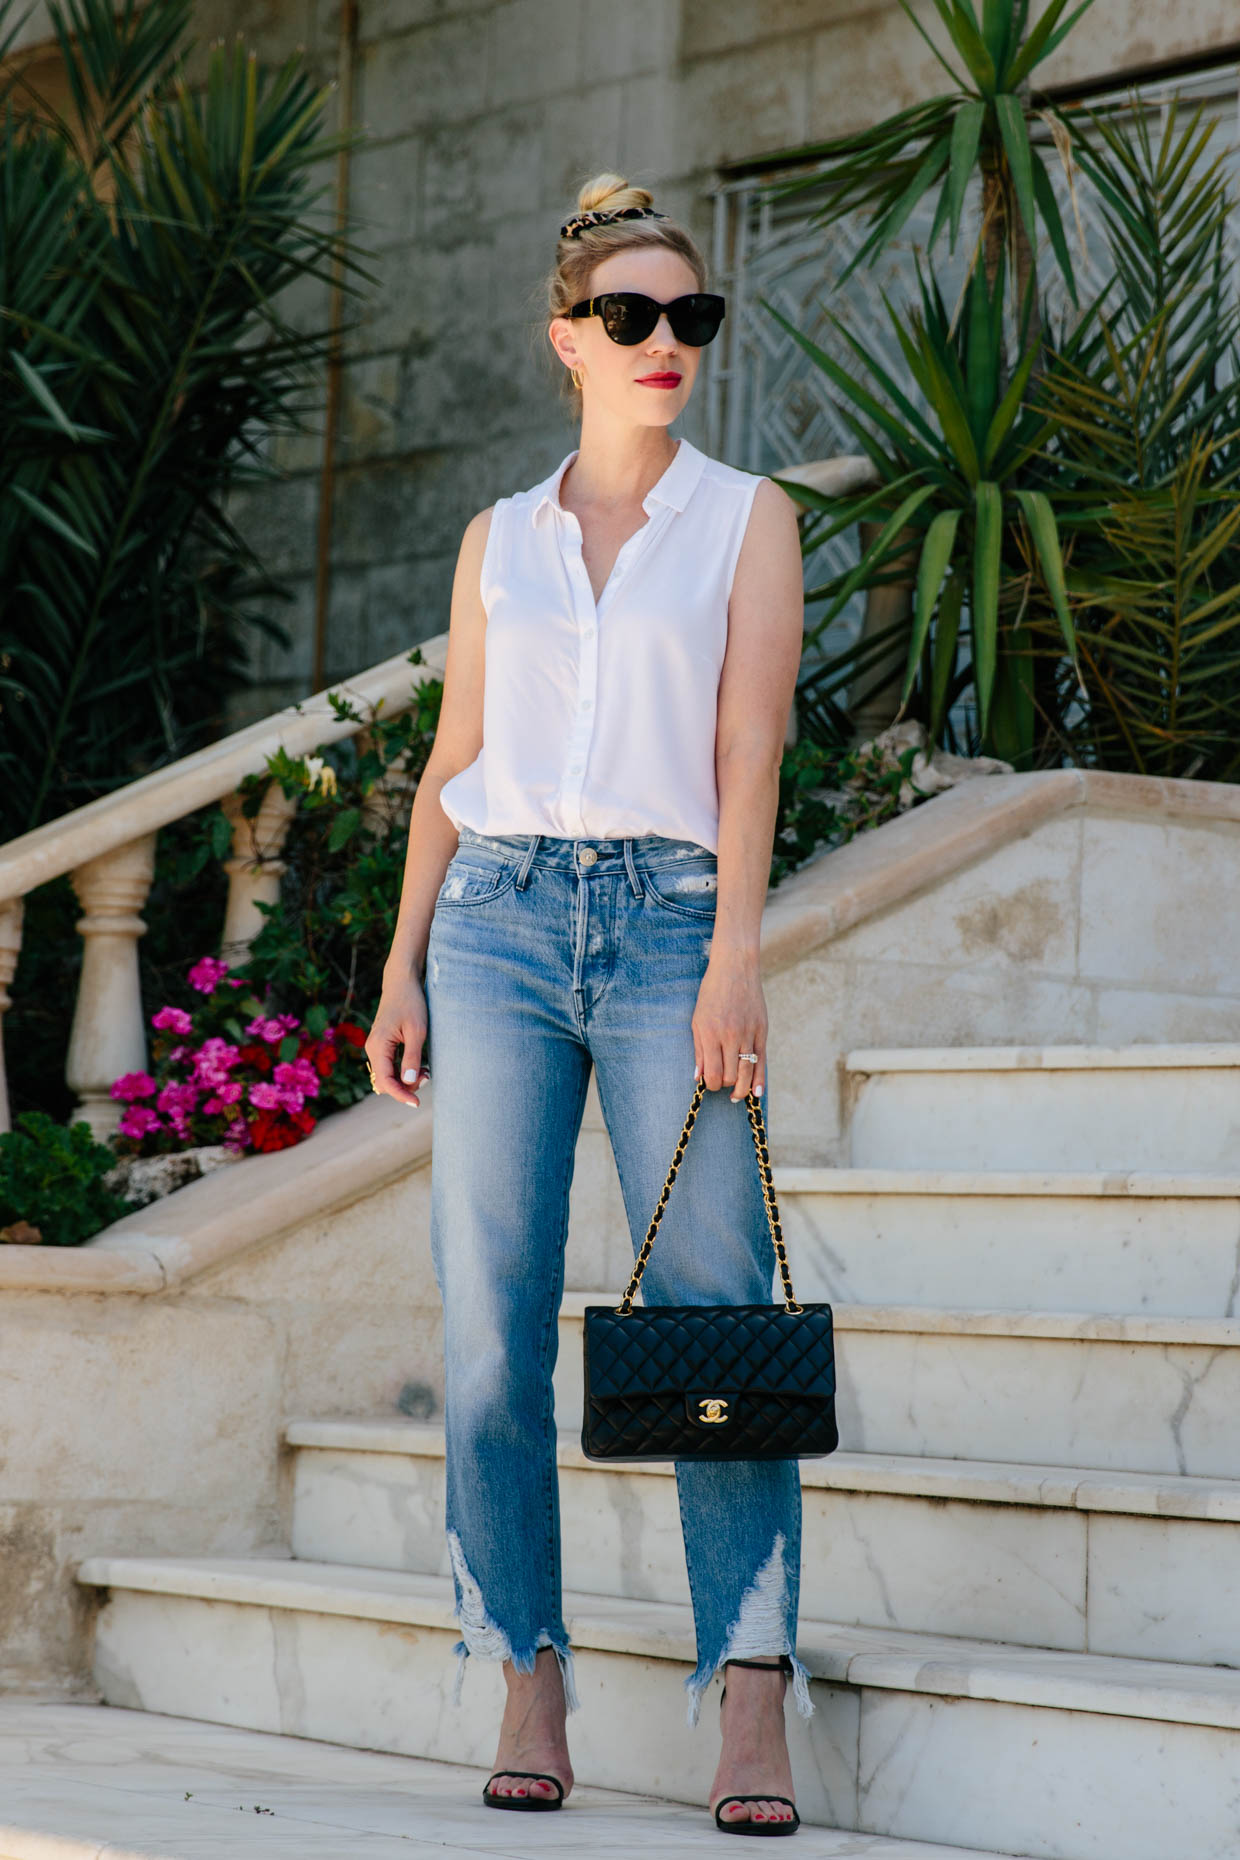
(742, 103)
(434, 74)
(535, 49)
(617, 41)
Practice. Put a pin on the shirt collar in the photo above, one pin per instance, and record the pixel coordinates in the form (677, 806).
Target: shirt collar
(674, 488)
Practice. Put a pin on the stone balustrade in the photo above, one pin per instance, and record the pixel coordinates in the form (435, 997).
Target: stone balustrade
(108, 850)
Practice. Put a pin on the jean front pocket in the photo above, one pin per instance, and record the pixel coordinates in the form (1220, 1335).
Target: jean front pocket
(690, 888)
(474, 881)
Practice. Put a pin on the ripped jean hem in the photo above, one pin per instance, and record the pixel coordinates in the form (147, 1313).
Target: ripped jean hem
(698, 1681)
(766, 1614)
(490, 1641)
(522, 1662)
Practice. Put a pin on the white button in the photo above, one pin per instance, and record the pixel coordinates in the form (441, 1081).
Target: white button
(587, 703)
(587, 855)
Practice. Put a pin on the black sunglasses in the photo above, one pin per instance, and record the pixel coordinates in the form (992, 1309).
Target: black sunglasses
(629, 317)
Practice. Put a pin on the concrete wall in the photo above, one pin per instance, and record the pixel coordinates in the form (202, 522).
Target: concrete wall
(483, 118)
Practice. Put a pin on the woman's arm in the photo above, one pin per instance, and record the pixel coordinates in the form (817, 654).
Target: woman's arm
(401, 1019)
(766, 625)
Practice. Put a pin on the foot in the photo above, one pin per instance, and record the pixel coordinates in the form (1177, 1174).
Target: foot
(755, 1754)
(532, 1735)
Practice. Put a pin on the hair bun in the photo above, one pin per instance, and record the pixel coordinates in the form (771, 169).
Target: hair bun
(608, 192)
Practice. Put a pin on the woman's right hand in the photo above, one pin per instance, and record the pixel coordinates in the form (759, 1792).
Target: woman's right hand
(400, 1021)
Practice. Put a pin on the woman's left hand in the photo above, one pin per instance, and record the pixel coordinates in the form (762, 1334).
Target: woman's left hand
(730, 1019)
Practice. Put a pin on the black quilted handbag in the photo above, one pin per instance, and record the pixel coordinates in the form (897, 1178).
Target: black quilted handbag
(710, 1382)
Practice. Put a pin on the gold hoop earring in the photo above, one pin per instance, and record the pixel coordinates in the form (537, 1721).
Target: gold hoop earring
(576, 375)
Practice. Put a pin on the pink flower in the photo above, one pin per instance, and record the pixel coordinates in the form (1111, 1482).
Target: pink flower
(207, 975)
(132, 1085)
(174, 1019)
(297, 1075)
(238, 1135)
(137, 1120)
(273, 1030)
(179, 1053)
(287, 1090)
(213, 1061)
(224, 1095)
(177, 1101)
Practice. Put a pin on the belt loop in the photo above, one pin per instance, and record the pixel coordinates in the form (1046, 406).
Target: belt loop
(631, 869)
(527, 860)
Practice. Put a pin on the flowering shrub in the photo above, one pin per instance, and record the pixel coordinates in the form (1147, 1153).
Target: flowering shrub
(230, 1072)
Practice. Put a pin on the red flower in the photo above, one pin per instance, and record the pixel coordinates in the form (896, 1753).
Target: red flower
(280, 1130)
(272, 1131)
(350, 1031)
(257, 1056)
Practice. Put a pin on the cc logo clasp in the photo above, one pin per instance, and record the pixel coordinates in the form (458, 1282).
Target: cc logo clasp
(712, 1409)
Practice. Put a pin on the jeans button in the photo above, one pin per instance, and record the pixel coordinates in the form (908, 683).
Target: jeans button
(587, 855)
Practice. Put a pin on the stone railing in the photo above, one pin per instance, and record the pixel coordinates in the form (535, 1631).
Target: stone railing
(108, 849)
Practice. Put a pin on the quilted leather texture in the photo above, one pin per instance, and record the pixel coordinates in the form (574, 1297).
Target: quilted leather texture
(709, 1382)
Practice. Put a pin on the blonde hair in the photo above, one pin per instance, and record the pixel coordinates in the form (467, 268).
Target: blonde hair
(568, 281)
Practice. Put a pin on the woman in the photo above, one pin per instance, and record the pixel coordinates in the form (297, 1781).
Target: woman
(589, 855)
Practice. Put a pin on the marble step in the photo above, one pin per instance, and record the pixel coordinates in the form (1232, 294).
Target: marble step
(90, 1782)
(1123, 1563)
(1143, 1243)
(1046, 1107)
(1066, 1756)
(1045, 1388)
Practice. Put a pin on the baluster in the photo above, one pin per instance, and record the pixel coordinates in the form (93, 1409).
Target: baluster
(254, 867)
(10, 948)
(108, 1036)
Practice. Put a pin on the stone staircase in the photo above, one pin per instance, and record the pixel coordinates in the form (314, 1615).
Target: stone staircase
(1021, 1589)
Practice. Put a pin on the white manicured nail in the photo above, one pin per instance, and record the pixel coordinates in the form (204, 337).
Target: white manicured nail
(409, 1075)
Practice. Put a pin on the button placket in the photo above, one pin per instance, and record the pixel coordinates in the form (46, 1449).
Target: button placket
(580, 735)
(588, 613)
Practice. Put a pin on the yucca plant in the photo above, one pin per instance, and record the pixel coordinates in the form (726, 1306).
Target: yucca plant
(950, 492)
(969, 515)
(1081, 503)
(980, 126)
(147, 244)
(1144, 463)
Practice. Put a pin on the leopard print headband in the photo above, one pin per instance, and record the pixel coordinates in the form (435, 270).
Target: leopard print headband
(599, 217)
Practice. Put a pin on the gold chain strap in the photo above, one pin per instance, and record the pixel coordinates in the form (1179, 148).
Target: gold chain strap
(754, 1107)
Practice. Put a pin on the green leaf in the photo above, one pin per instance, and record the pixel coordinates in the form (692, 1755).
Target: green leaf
(943, 656)
(38, 508)
(1041, 520)
(344, 826)
(42, 393)
(965, 140)
(935, 558)
(1015, 133)
(988, 548)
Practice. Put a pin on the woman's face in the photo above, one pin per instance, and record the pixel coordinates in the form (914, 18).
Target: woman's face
(649, 382)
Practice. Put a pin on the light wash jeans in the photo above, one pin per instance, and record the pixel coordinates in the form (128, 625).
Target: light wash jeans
(541, 962)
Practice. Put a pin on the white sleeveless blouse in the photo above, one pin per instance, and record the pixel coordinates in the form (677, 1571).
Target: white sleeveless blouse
(599, 722)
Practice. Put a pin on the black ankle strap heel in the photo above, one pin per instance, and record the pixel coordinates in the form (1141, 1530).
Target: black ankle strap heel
(759, 1829)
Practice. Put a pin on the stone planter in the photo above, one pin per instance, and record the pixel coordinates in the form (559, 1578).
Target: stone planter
(143, 1179)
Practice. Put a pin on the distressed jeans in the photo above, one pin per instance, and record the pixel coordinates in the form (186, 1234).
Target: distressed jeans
(547, 956)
